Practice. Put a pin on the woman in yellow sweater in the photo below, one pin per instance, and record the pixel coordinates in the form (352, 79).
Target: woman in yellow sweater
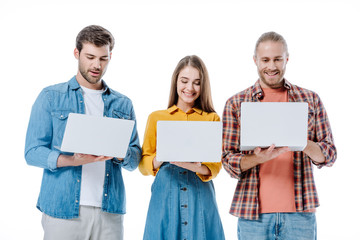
(183, 204)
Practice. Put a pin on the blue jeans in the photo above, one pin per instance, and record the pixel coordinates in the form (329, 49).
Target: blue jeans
(279, 226)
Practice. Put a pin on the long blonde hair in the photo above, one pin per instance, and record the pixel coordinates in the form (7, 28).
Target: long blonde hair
(204, 101)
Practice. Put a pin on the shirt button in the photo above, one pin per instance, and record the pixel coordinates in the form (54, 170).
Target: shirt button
(76, 201)
(185, 223)
(78, 180)
(105, 195)
(107, 174)
(184, 188)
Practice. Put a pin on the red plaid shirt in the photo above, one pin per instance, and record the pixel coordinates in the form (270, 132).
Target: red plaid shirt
(245, 203)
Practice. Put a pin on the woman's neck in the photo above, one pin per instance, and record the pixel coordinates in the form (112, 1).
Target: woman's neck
(184, 107)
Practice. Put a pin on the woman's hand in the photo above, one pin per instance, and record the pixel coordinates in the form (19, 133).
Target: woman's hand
(156, 163)
(196, 167)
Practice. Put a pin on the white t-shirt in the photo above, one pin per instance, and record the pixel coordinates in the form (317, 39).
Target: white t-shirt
(93, 174)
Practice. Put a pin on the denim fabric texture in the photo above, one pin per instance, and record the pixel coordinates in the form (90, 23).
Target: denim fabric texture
(279, 226)
(60, 189)
(182, 207)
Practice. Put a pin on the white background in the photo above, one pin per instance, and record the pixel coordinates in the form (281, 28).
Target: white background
(37, 41)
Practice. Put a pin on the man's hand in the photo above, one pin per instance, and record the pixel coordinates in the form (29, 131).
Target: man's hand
(261, 156)
(264, 155)
(79, 159)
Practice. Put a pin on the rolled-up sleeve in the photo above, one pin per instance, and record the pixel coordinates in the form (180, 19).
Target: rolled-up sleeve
(324, 137)
(133, 155)
(39, 134)
(231, 155)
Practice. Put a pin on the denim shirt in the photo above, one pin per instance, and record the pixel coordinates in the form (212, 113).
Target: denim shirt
(60, 189)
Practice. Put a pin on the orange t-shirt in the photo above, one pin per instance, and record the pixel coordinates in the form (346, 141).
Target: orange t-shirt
(276, 191)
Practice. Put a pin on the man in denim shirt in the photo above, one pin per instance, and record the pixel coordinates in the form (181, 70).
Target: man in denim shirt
(82, 196)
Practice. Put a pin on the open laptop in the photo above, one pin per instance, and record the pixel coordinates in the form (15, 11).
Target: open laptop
(279, 123)
(97, 135)
(189, 141)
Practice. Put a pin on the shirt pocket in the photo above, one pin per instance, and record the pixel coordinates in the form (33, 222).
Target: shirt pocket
(120, 115)
(59, 120)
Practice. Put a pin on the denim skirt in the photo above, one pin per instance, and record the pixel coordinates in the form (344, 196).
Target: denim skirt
(182, 207)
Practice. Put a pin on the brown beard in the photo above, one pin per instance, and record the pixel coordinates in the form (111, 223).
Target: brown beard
(87, 78)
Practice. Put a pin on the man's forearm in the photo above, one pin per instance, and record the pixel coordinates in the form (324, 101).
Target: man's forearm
(260, 156)
(314, 152)
(248, 161)
(64, 160)
(79, 159)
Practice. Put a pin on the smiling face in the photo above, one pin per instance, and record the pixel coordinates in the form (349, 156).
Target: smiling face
(93, 62)
(271, 59)
(188, 87)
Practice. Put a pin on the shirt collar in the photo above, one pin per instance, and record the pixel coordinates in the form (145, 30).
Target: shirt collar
(74, 85)
(175, 108)
(258, 92)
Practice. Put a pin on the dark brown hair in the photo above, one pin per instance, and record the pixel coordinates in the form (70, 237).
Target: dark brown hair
(96, 35)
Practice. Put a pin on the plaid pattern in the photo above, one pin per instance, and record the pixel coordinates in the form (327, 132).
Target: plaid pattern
(245, 203)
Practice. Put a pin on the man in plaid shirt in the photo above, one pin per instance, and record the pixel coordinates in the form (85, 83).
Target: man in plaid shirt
(276, 195)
